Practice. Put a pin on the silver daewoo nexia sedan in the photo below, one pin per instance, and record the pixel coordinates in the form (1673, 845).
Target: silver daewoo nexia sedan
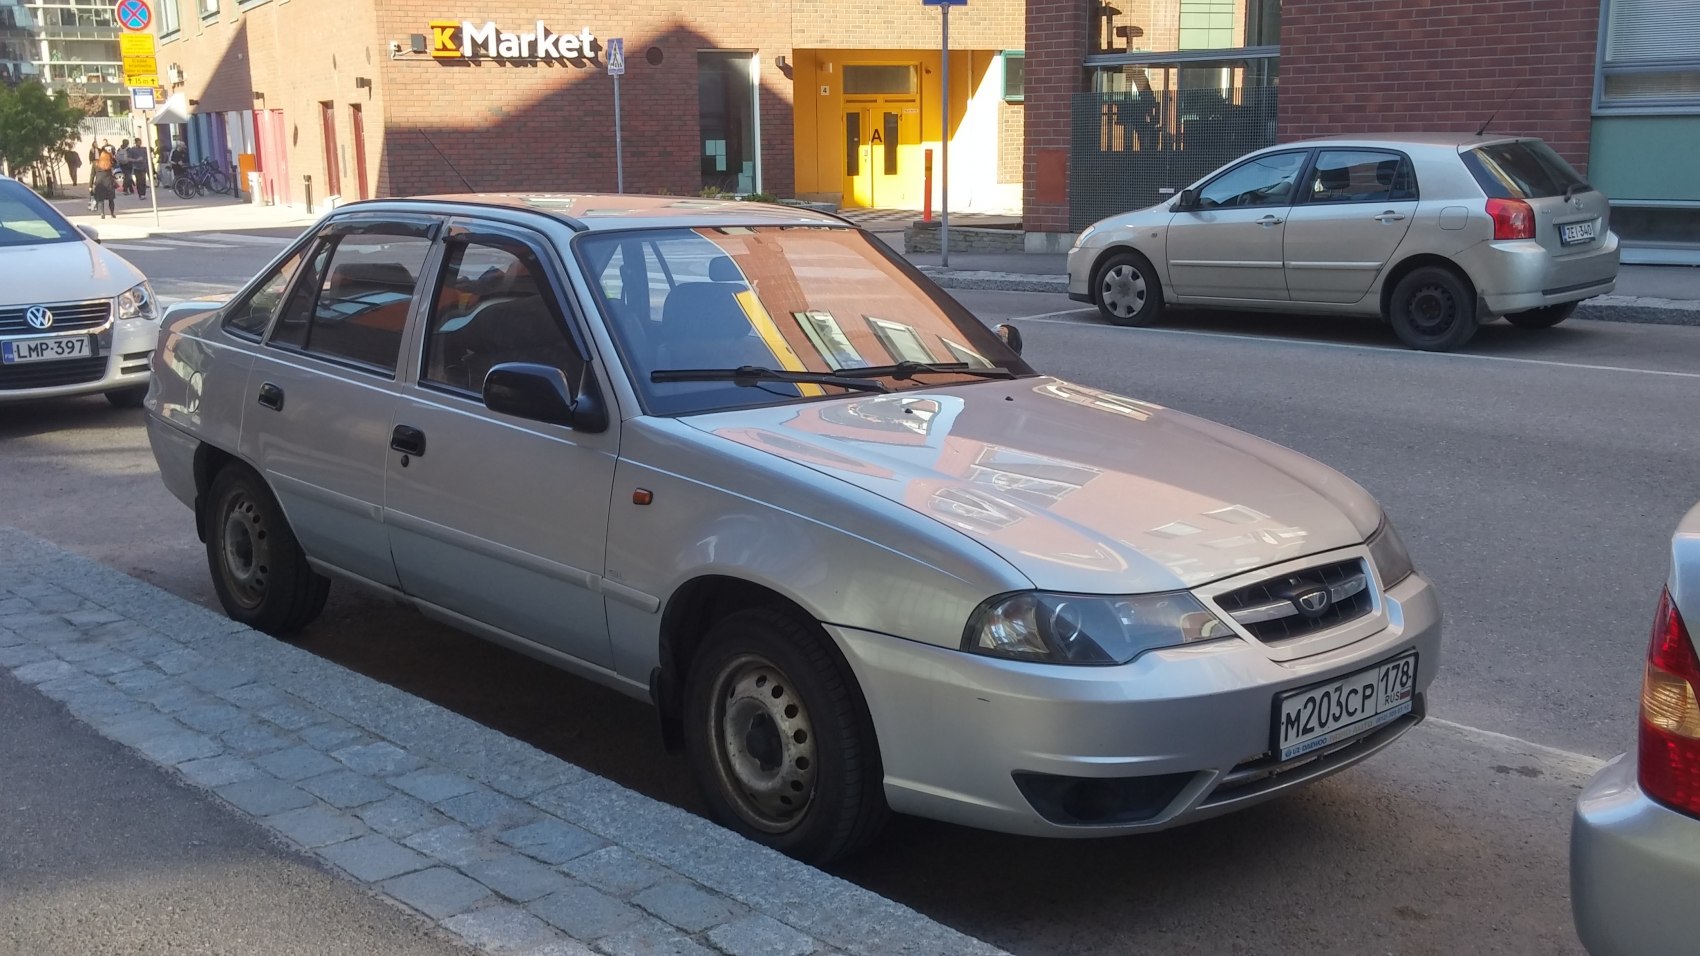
(742, 461)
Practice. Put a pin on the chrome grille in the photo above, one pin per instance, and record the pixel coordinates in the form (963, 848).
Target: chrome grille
(67, 317)
(1287, 607)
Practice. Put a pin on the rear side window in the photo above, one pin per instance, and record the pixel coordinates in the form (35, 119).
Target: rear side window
(254, 313)
(1527, 169)
(1360, 175)
(355, 302)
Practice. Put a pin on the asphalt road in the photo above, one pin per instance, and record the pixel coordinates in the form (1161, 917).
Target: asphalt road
(1536, 480)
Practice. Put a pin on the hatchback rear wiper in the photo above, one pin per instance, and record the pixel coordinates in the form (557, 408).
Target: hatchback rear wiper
(903, 371)
(748, 375)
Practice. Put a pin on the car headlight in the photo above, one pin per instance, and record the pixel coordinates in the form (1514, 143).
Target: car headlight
(137, 303)
(1080, 240)
(1391, 559)
(1088, 628)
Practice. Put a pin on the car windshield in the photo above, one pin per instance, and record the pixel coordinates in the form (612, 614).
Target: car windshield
(1525, 169)
(26, 219)
(807, 301)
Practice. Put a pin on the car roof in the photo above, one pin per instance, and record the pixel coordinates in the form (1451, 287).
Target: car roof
(593, 211)
(1457, 140)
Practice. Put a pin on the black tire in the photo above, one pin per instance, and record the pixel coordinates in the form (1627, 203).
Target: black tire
(127, 397)
(184, 187)
(801, 772)
(258, 568)
(1433, 309)
(1126, 291)
(218, 181)
(1544, 317)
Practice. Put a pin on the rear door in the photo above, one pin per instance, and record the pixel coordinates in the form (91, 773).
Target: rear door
(1352, 212)
(1230, 245)
(1571, 216)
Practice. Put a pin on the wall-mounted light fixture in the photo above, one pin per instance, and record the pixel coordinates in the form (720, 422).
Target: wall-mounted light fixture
(416, 42)
(781, 62)
(363, 83)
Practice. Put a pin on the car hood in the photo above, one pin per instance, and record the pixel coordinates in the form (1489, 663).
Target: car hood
(1079, 489)
(63, 272)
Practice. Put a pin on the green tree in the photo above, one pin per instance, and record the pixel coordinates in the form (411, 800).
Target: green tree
(35, 127)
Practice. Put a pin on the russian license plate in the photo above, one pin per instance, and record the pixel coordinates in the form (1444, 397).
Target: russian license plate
(1324, 714)
(1572, 233)
(46, 349)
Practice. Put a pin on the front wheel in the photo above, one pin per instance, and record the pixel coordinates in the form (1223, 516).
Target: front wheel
(1432, 309)
(219, 181)
(1126, 291)
(258, 569)
(778, 738)
(1544, 317)
(184, 187)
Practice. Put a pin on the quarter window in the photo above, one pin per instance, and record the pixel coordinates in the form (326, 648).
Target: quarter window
(1264, 181)
(355, 302)
(1355, 175)
(494, 306)
(254, 313)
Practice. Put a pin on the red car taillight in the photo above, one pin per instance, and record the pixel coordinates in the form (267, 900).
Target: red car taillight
(1670, 715)
(1512, 219)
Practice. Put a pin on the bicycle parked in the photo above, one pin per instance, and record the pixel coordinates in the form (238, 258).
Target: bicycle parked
(202, 177)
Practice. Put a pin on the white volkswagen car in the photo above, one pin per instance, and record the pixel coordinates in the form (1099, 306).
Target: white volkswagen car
(75, 318)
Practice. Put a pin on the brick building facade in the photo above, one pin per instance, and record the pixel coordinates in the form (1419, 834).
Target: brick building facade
(788, 97)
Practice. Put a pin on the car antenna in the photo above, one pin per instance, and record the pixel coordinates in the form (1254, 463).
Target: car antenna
(445, 160)
(1501, 105)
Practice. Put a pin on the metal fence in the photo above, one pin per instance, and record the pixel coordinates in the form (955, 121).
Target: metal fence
(1128, 148)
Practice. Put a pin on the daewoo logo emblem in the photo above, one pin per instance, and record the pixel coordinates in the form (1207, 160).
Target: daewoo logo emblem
(39, 317)
(1313, 602)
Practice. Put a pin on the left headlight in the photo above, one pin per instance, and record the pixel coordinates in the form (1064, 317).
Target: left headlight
(137, 303)
(1080, 240)
(1088, 628)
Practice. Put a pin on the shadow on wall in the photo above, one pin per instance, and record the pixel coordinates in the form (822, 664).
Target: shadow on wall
(496, 126)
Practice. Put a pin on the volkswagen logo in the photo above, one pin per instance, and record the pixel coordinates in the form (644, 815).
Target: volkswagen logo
(1313, 603)
(39, 317)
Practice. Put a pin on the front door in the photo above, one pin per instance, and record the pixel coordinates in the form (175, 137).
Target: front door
(882, 163)
(1229, 245)
(500, 519)
(1352, 214)
(333, 165)
(357, 126)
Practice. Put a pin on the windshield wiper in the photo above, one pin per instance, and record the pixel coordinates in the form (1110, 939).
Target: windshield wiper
(749, 375)
(903, 371)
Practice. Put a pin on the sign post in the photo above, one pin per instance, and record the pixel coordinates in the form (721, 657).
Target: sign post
(944, 137)
(137, 51)
(617, 69)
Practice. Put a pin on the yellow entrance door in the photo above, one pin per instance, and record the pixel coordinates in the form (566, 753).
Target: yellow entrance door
(882, 161)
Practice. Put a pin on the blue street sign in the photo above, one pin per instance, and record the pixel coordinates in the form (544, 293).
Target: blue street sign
(617, 56)
(134, 14)
(141, 98)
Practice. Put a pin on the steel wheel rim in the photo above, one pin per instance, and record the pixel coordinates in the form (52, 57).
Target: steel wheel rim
(245, 551)
(763, 743)
(1122, 290)
(1433, 310)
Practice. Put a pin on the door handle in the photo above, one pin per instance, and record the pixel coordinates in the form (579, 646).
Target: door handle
(408, 440)
(1388, 216)
(1271, 221)
(271, 397)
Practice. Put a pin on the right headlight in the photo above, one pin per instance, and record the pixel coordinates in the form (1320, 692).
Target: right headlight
(1391, 559)
(1088, 628)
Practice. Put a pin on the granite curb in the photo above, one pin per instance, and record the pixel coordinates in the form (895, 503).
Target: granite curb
(502, 846)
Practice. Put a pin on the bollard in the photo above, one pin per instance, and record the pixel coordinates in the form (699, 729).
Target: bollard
(307, 182)
(927, 186)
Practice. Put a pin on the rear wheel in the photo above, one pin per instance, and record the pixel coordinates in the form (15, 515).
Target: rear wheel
(184, 187)
(1432, 309)
(1126, 291)
(1544, 317)
(258, 569)
(219, 181)
(778, 738)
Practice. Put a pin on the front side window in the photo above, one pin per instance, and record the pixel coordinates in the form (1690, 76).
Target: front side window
(819, 300)
(253, 314)
(354, 304)
(1359, 175)
(494, 305)
(1264, 181)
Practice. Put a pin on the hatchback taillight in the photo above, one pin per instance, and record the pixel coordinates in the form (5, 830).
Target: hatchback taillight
(1670, 715)
(1512, 218)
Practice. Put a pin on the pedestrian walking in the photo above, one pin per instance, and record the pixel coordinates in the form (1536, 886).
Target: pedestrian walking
(122, 159)
(73, 162)
(103, 185)
(137, 160)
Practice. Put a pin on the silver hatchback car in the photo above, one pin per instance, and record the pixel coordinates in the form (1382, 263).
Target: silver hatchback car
(743, 462)
(1434, 233)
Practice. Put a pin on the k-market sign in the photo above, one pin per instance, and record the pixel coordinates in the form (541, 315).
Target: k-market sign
(464, 39)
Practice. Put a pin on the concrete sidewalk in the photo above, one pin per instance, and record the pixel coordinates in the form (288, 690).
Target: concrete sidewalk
(503, 847)
(209, 213)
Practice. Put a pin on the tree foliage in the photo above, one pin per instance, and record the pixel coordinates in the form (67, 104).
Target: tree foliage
(35, 127)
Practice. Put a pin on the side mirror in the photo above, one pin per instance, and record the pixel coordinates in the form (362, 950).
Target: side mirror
(1188, 200)
(541, 393)
(89, 231)
(1011, 336)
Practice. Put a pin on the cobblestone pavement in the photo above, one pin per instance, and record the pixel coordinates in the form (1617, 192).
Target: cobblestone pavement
(506, 847)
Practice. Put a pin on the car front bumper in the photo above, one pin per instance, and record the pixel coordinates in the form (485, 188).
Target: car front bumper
(1634, 869)
(1080, 260)
(1516, 276)
(955, 729)
(124, 347)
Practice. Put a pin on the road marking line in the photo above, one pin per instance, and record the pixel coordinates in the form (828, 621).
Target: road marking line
(1047, 317)
(1585, 764)
(248, 240)
(185, 242)
(126, 247)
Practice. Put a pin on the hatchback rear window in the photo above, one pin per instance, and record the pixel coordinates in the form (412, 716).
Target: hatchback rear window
(1526, 169)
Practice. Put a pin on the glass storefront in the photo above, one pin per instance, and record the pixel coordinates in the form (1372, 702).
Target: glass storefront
(726, 110)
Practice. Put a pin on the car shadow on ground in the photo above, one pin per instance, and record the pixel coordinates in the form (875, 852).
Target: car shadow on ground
(27, 419)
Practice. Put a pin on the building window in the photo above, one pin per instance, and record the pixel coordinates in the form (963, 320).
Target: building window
(879, 80)
(1014, 77)
(167, 17)
(726, 120)
(1649, 57)
(209, 9)
(1162, 26)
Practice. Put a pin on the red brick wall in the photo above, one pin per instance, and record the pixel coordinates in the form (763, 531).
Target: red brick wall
(1437, 66)
(904, 25)
(1056, 45)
